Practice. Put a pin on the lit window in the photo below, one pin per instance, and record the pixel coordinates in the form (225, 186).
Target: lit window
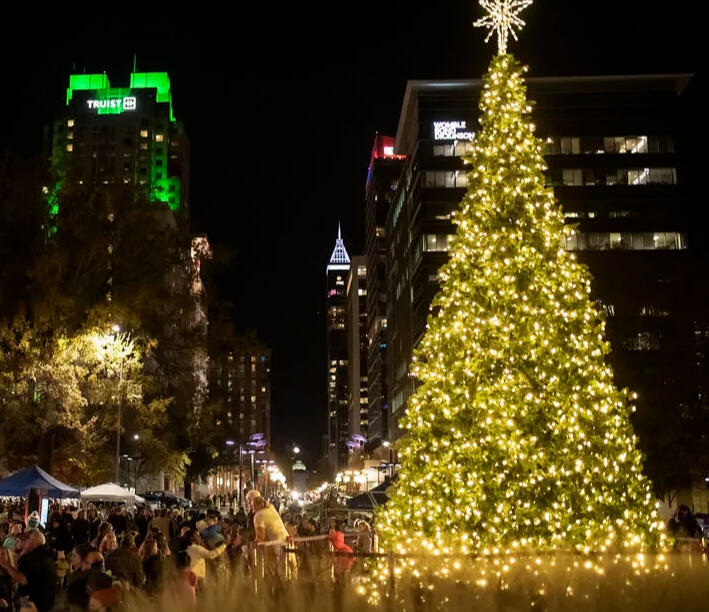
(143, 133)
(70, 123)
(143, 146)
(70, 135)
(159, 138)
(70, 147)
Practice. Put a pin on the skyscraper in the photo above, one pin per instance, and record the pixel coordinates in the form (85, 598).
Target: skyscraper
(337, 271)
(119, 163)
(122, 135)
(382, 178)
(357, 352)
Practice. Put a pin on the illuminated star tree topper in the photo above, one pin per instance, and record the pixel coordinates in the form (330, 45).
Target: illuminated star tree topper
(502, 18)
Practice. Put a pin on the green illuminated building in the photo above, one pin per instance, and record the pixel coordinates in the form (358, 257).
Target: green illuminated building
(111, 135)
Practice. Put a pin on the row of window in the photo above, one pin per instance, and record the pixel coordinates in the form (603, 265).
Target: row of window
(635, 241)
(445, 178)
(569, 177)
(575, 145)
(609, 177)
(579, 145)
(589, 241)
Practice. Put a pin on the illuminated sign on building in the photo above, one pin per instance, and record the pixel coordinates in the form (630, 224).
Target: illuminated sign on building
(115, 104)
(451, 130)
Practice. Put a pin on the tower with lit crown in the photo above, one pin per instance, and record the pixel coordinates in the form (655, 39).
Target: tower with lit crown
(337, 271)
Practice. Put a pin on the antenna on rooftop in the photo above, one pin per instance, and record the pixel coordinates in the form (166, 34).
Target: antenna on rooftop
(135, 62)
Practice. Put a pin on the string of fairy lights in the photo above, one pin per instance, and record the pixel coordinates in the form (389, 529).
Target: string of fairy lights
(518, 440)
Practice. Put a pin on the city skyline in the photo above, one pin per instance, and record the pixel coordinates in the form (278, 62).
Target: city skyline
(280, 150)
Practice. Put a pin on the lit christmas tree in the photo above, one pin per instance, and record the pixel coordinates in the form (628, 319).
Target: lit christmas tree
(518, 437)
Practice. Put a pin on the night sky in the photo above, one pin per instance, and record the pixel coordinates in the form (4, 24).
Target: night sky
(281, 104)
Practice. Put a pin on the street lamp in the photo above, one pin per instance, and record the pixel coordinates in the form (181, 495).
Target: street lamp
(115, 346)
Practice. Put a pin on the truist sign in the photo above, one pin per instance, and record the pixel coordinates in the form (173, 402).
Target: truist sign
(451, 130)
(116, 105)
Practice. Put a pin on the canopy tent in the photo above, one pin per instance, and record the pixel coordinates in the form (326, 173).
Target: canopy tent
(110, 492)
(34, 477)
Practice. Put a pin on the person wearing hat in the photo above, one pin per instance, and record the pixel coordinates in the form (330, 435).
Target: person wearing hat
(33, 520)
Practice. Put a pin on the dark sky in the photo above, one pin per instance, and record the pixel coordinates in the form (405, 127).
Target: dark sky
(281, 103)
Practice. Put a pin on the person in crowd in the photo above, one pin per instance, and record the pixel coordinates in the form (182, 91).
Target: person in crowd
(268, 525)
(212, 533)
(16, 528)
(108, 545)
(62, 568)
(364, 536)
(683, 524)
(117, 518)
(102, 592)
(343, 558)
(104, 528)
(83, 559)
(58, 535)
(240, 517)
(36, 574)
(199, 553)
(161, 522)
(142, 522)
(184, 583)
(163, 547)
(33, 521)
(178, 542)
(125, 564)
(152, 564)
(94, 523)
(80, 528)
(5, 578)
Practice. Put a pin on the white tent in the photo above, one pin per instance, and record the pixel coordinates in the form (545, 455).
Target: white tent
(111, 492)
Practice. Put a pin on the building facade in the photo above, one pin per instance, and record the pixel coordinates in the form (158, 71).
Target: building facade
(382, 178)
(612, 151)
(240, 385)
(336, 272)
(122, 135)
(357, 354)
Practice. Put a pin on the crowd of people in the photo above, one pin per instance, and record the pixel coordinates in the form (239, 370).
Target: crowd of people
(88, 558)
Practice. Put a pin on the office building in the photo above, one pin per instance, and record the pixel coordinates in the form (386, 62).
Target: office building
(612, 148)
(357, 354)
(382, 177)
(122, 135)
(336, 272)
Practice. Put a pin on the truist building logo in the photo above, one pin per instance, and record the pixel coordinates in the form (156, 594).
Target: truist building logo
(116, 105)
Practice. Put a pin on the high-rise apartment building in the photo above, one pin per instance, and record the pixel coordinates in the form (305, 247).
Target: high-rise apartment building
(337, 270)
(357, 352)
(612, 151)
(382, 177)
(240, 380)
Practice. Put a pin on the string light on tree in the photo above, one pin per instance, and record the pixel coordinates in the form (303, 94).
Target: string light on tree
(517, 438)
(502, 19)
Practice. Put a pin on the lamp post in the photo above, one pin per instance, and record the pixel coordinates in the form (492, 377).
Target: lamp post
(116, 329)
